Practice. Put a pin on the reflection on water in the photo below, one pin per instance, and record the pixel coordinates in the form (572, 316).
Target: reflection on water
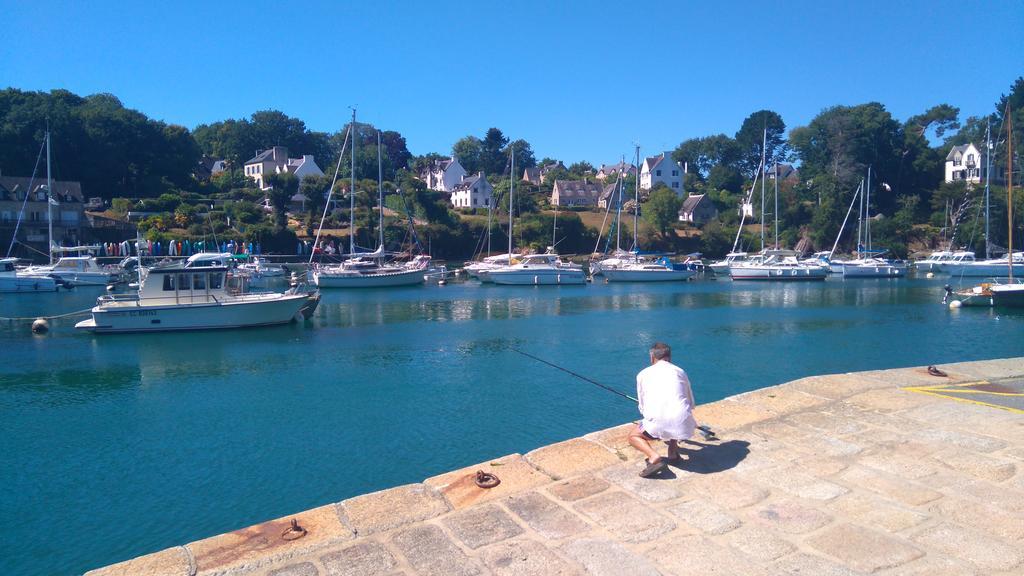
(125, 444)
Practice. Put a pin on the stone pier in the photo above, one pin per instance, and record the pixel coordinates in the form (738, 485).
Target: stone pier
(884, 472)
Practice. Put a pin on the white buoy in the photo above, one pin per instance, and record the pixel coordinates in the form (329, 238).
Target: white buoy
(955, 304)
(40, 326)
(442, 282)
(930, 275)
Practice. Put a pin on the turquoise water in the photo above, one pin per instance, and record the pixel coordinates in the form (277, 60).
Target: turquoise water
(115, 446)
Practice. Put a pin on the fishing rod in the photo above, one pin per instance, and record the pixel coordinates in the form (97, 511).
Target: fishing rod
(705, 431)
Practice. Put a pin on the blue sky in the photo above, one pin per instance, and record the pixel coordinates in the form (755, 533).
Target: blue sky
(579, 81)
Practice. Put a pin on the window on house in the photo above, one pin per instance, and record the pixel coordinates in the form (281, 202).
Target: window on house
(675, 172)
(970, 158)
(675, 184)
(657, 172)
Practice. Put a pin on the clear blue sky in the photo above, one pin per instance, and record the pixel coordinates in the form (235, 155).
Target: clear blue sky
(579, 81)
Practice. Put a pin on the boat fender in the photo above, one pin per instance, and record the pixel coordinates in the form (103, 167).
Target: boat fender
(955, 304)
(40, 326)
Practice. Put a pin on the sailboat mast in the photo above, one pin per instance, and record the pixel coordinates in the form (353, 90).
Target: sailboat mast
(776, 205)
(49, 196)
(1010, 192)
(380, 191)
(860, 223)
(352, 192)
(636, 199)
(867, 209)
(511, 193)
(988, 177)
(764, 142)
(618, 214)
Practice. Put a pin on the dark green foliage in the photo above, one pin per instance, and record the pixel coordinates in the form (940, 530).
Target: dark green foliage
(661, 210)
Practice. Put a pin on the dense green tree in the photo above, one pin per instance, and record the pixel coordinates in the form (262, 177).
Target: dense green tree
(469, 151)
(661, 210)
(493, 155)
(702, 154)
(761, 127)
(283, 187)
(524, 154)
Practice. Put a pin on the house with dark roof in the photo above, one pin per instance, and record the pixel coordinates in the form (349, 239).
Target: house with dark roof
(67, 208)
(443, 175)
(697, 209)
(611, 195)
(785, 172)
(208, 167)
(576, 193)
(276, 161)
(964, 163)
(614, 170)
(535, 174)
(472, 192)
(661, 168)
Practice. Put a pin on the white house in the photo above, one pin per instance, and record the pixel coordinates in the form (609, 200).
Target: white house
(443, 175)
(661, 168)
(613, 171)
(964, 163)
(472, 192)
(276, 161)
(576, 193)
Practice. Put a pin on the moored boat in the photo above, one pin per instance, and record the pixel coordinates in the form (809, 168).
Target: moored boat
(538, 269)
(12, 280)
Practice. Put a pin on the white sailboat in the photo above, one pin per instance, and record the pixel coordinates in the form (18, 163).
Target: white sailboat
(866, 265)
(366, 270)
(639, 270)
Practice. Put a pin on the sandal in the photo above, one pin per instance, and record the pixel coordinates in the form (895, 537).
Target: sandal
(654, 468)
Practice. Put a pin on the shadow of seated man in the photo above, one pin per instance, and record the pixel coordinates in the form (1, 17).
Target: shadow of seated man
(705, 458)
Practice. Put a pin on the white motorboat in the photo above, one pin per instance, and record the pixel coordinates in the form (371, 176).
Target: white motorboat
(616, 259)
(261, 268)
(721, 267)
(934, 261)
(539, 269)
(364, 273)
(77, 271)
(640, 271)
(13, 280)
(175, 298)
(474, 269)
(870, 268)
(965, 265)
(777, 265)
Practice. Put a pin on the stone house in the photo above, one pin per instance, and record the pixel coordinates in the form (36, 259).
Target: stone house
(613, 171)
(276, 161)
(697, 209)
(661, 168)
(443, 175)
(472, 192)
(535, 174)
(68, 211)
(576, 193)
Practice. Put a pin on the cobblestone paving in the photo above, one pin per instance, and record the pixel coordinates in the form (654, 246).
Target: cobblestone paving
(844, 474)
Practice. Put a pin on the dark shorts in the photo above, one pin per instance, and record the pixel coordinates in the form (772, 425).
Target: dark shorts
(644, 433)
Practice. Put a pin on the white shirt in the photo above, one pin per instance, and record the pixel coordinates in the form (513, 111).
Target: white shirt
(666, 401)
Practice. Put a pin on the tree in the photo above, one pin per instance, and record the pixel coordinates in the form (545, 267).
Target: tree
(702, 154)
(662, 209)
(524, 154)
(283, 187)
(581, 169)
(314, 189)
(761, 127)
(493, 156)
(469, 152)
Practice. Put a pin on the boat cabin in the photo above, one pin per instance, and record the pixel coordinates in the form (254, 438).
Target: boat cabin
(187, 285)
(78, 264)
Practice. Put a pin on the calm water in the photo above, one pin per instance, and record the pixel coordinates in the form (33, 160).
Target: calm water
(115, 446)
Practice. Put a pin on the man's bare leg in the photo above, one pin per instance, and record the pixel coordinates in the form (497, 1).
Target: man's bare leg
(673, 450)
(637, 440)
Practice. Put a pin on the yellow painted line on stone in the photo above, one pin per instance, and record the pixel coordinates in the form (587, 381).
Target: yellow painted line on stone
(935, 391)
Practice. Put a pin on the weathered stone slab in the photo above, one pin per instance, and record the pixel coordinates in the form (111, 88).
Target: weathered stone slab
(572, 457)
(627, 476)
(837, 386)
(729, 415)
(895, 488)
(704, 516)
(525, 558)
(795, 482)
(863, 549)
(759, 544)
(1008, 526)
(461, 491)
(989, 369)
(300, 569)
(608, 558)
(887, 400)
(170, 562)
(780, 400)
(790, 516)
(392, 508)
(699, 556)
(820, 466)
(726, 490)
(934, 565)
(825, 422)
(625, 517)
(262, 544)
(482, 525)
(916, 376)
(979, 465)
(368, 558)
(578, 488)
(431, 553)
(807, 565)
(899, 462)
(869, 510)
(545, 517)
(983, 551)
(1000, 496)
(615, 439)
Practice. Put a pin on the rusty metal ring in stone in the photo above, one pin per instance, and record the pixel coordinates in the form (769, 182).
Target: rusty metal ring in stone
(486, 479)
(293, 532)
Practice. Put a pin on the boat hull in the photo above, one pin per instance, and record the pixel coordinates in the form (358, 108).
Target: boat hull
(9, 284)
(980, 270)
(206, 316)
(537, 277)
(666, 275)
(778, 274)
(873, 271)
(1009, 295)
(391, 279)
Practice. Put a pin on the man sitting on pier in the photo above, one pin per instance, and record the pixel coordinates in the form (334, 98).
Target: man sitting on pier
(666, 403)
